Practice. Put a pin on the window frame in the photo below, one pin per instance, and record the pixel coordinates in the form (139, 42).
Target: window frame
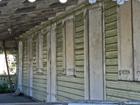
(125, 53)
(67, 71)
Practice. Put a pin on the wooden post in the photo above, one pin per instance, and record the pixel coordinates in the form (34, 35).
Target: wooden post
(53, 63)
(49, 65)
(86, 56)
(20, 53)
(96, 54)
(5, 53)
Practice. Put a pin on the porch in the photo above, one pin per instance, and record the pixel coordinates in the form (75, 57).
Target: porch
(10, 99)
(76, 51)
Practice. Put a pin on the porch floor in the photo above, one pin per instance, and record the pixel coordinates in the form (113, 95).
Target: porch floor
(10, 98)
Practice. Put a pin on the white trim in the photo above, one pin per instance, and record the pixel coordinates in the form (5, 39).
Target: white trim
(96, 54)
(37, 53)
(125, 53)
(53, 63)
(28, 63)
(40, 52)
(30, 67)
(71, 17)
(49, 65)
(64, 47)
(20, 53)
(86, 58)
(69, 46)
(104, 51)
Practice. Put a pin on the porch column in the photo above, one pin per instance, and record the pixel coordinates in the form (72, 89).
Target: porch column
(20, 54)
(53, 64)
(96, 54)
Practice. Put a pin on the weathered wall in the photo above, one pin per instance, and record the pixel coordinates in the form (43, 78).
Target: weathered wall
(71, 57)
(67, 87)
(71, 87)
(40, 72)
(115, 89)
(34, 71)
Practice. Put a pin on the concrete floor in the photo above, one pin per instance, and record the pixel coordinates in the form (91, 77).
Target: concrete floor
(10, 98)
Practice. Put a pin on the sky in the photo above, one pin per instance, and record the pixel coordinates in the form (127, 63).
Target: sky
(3, 67)
(2, 64)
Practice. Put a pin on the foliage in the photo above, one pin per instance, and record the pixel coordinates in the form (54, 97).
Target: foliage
(4, 88)
(12, 63)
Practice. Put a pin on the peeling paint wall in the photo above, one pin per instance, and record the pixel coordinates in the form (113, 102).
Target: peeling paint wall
(116, 89)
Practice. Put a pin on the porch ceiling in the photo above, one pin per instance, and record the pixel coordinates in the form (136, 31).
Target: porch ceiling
(18, 16)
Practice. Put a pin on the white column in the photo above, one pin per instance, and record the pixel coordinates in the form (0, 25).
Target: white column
(53, 64)
(20, 53)
(86, 57)
(51, 70)
(30, 67)
(96, 54)
(49, 65)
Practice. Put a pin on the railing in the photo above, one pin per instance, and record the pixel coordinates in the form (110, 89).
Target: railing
(4, 79)
(4, 83)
